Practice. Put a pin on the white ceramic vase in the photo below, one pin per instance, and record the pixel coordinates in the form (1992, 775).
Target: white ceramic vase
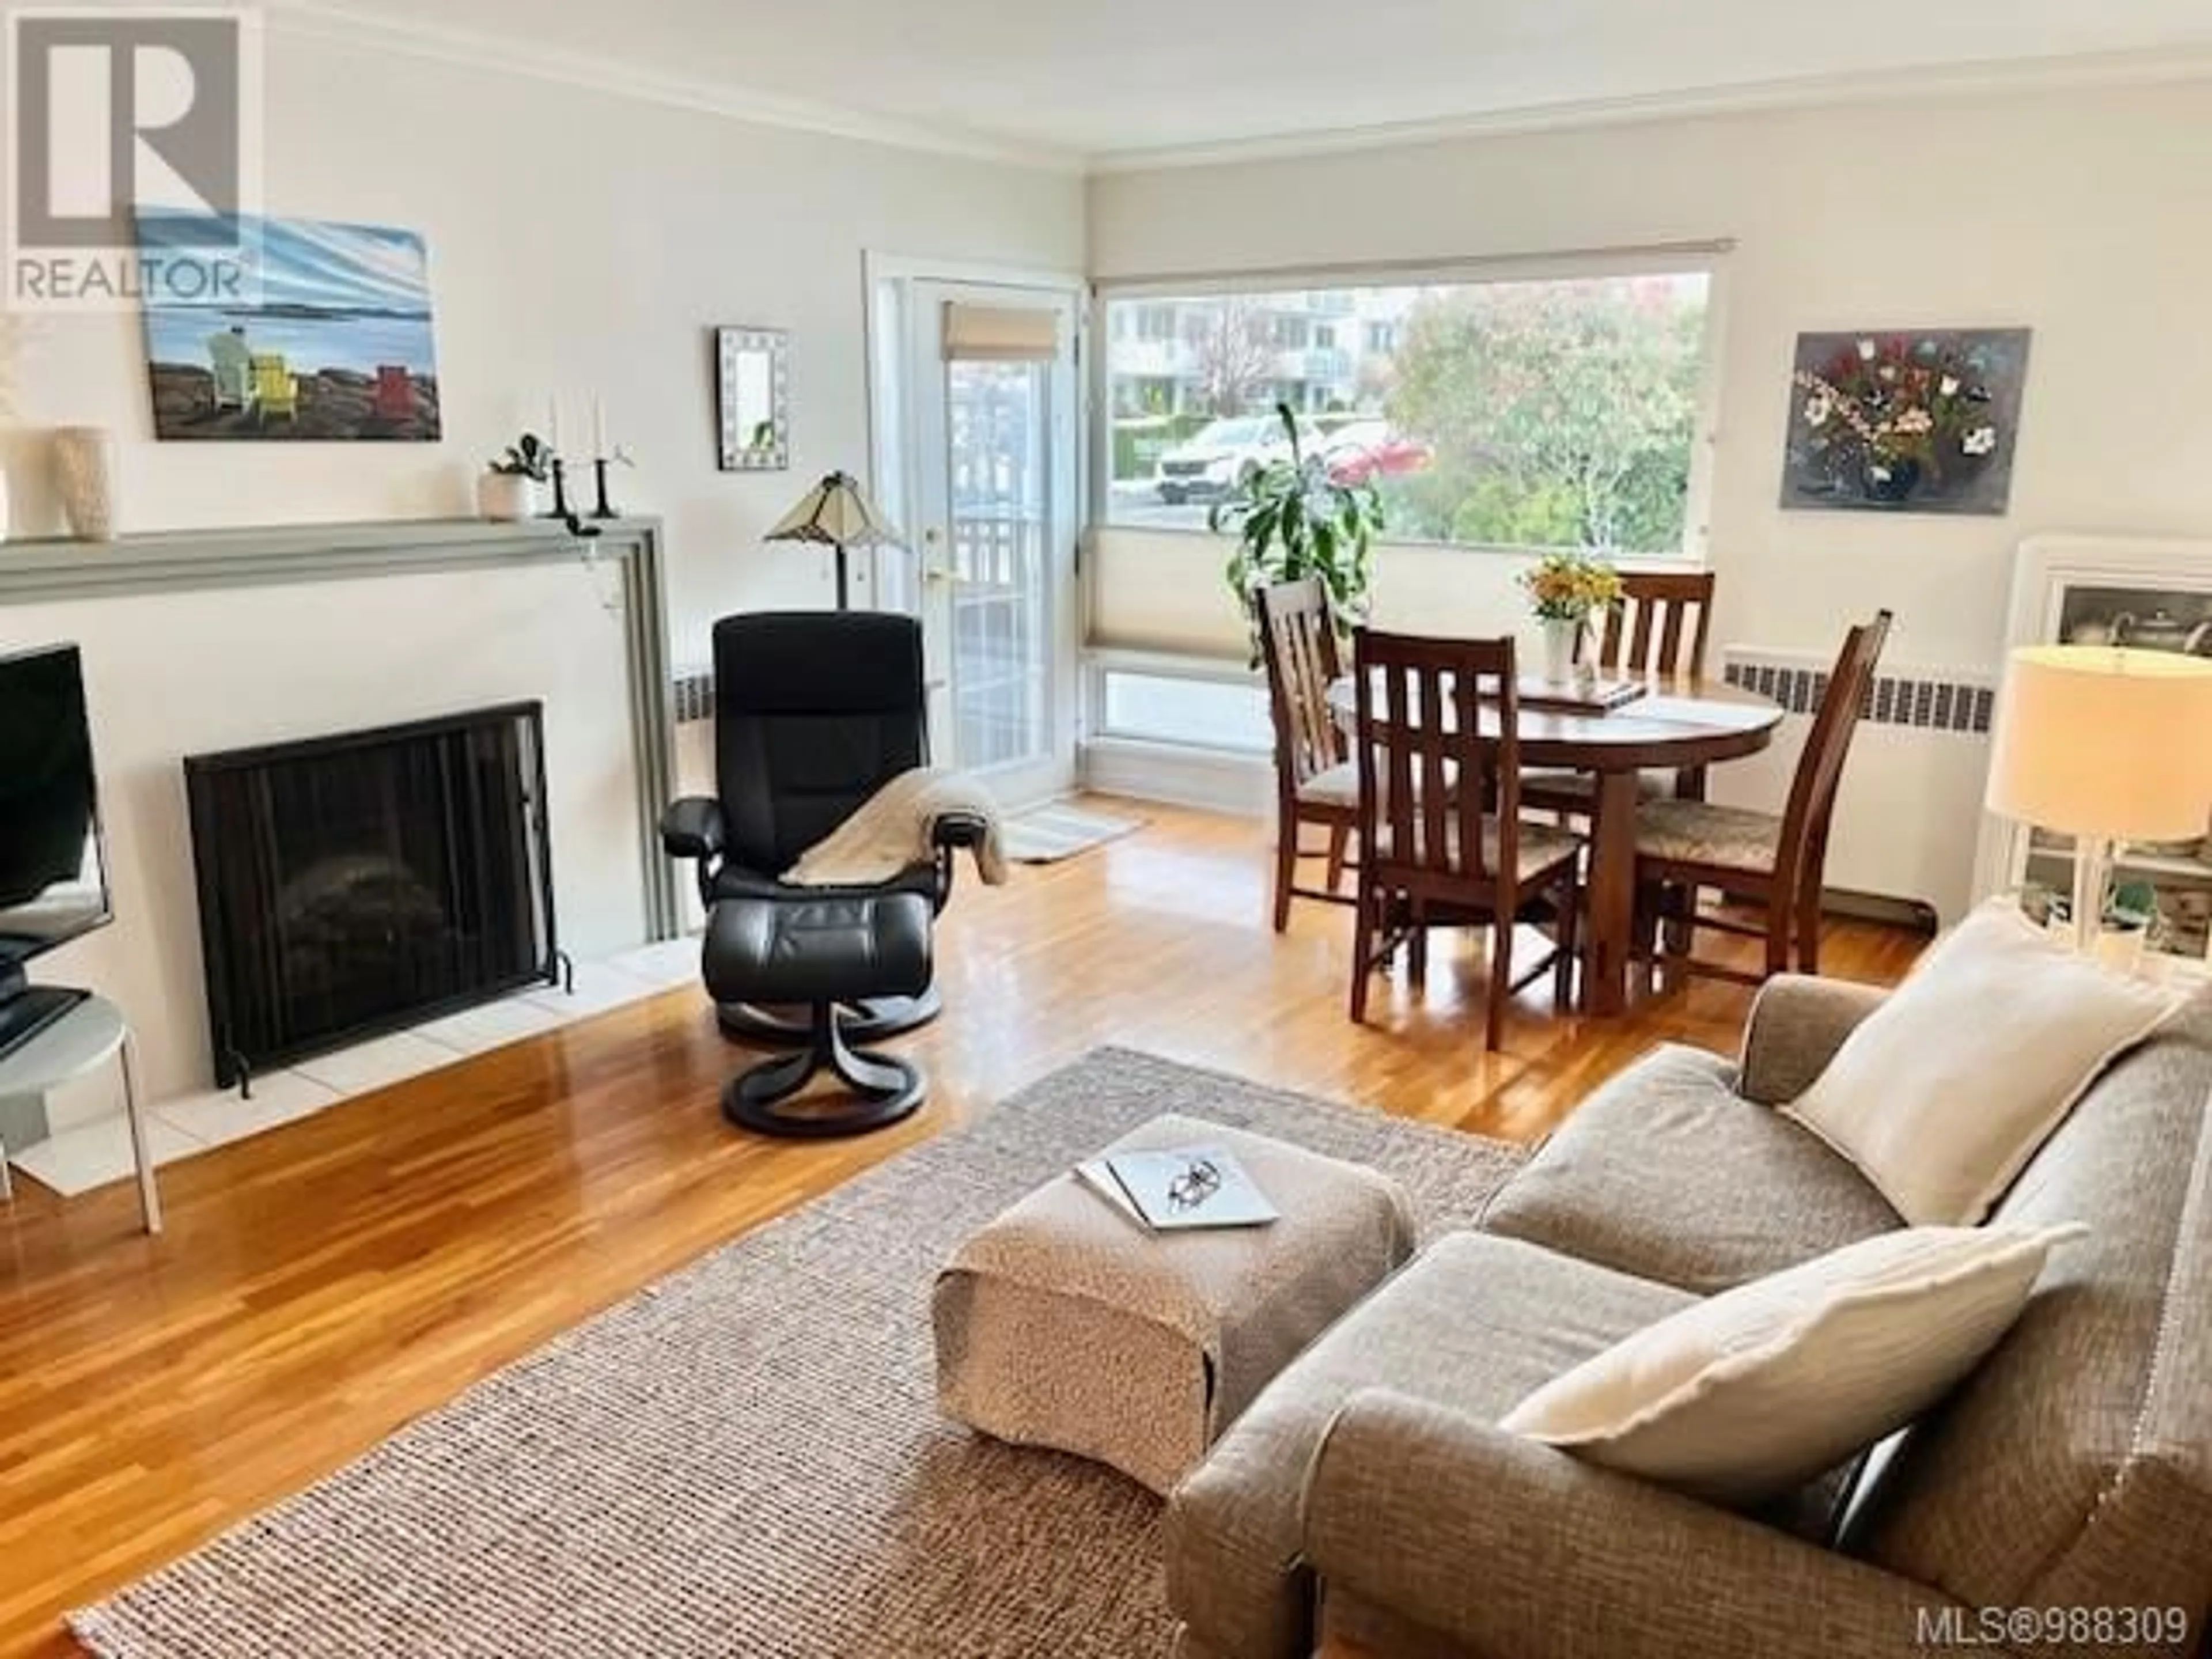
(84, 475)
(507, 497)
(1560, 639)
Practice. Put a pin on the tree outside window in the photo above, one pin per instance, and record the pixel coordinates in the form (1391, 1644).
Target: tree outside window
(1558, 414)
(1233, 357)
(1544, 415)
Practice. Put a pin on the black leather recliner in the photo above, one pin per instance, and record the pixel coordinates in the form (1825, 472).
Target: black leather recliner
(814, 711)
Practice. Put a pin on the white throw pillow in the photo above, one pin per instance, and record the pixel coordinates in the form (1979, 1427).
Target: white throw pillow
(1762, 1388)
(1942, 1095)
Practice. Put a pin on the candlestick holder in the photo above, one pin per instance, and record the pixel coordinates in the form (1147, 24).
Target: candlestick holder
(567, 514)
(604, 509)
(560, 508)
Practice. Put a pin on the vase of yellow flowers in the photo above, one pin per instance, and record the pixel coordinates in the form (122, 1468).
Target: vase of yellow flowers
(1566, 590)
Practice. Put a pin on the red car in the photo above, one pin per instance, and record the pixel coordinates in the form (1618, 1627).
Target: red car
(1365, 451)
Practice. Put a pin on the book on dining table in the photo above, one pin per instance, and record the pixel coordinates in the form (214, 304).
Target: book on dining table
(1595, 696)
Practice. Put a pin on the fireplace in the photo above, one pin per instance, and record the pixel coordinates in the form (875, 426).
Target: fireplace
(356, 884)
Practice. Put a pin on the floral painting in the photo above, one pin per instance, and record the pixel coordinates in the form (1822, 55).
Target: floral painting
(1922, 422)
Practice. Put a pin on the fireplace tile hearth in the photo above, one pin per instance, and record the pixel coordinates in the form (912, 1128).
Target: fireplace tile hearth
(377, 1063)
(93, 1154)
(670, 963)
(599, 988)
(476, 1030)
(219, 1117)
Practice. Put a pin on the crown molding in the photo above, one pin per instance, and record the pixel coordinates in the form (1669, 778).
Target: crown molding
(444, 44)
(1989, 79)
(472, 49)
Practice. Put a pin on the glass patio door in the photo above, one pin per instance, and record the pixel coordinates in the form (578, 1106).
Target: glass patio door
(992, 459)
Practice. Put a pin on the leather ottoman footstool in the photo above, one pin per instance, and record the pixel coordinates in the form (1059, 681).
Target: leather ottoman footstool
(824, 951)
(1064, 1323)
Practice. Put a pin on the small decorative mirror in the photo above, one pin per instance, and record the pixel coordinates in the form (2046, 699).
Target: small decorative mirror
(752, 383)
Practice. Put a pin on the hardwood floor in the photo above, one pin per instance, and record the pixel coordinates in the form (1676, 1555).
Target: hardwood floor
(322, 1285)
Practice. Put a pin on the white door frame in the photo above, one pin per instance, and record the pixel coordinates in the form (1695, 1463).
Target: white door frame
(895, 411)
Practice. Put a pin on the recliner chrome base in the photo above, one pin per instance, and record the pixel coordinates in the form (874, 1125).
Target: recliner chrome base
(868, 1020)
(884, 1088)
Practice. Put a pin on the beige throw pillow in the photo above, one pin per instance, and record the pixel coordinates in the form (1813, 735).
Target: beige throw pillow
(1942, 1095)
(1762, 1388)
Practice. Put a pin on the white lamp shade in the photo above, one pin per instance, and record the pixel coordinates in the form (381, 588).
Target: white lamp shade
(2094, 741)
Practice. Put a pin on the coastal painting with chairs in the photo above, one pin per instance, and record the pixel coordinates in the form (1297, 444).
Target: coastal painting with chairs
(332, 340)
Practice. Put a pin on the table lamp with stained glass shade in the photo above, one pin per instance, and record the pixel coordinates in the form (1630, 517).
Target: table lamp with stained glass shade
(837, 512)
(2108, 745)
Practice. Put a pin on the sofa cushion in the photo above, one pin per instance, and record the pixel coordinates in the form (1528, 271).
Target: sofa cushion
(2075, 1467)
(1750, 1394)
(1668, 1173)
(1944, 1092)
(1474, 1323)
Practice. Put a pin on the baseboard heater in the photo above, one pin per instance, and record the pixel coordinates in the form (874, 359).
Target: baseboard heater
(357, 885)
(1933, 700)
(694, 696)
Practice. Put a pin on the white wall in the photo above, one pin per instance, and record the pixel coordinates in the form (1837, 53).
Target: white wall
(578, 240)
(2081, 214)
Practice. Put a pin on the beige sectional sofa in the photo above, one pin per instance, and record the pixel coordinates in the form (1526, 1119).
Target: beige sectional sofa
(1366, 1494)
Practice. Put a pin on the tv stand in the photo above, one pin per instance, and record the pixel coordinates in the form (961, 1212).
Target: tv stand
(28, 1009)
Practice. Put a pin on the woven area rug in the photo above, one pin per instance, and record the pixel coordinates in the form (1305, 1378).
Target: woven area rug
(744, 1461)
(1046, 834)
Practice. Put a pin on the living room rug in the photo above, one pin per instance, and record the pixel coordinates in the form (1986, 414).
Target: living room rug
(744, 1461)
(1046, 834)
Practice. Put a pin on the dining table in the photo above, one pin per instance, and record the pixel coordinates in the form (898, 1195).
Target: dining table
(1680, 724)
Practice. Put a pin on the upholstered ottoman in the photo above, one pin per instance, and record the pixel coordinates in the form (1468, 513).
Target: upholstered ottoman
(1064, 1323)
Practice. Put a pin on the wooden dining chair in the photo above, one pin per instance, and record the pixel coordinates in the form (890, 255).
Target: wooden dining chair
(1314, 780)
(1441, 839)
(1778, 863)
(1660, 627)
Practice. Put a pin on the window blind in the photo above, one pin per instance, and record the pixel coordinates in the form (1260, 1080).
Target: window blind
(1002, 334)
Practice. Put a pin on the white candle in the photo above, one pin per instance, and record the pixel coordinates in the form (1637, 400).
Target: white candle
(598, 427)
(553, 422)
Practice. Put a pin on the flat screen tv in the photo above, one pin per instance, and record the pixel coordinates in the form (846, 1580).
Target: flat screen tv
(53, 874)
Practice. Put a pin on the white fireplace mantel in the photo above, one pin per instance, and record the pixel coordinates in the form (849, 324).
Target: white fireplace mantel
(49, 572)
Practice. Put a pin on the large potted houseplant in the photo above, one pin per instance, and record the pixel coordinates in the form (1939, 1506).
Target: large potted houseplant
(1291, 520)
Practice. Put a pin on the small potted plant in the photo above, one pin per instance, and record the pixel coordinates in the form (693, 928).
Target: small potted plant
(508, 491)
(1566, 590)
(2135, 920)
(1293, 519)
(2132, 925)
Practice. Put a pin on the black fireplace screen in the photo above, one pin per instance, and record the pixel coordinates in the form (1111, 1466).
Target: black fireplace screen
(355, 884)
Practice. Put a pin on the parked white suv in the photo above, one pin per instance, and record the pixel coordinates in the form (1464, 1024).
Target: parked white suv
(1222, 454)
